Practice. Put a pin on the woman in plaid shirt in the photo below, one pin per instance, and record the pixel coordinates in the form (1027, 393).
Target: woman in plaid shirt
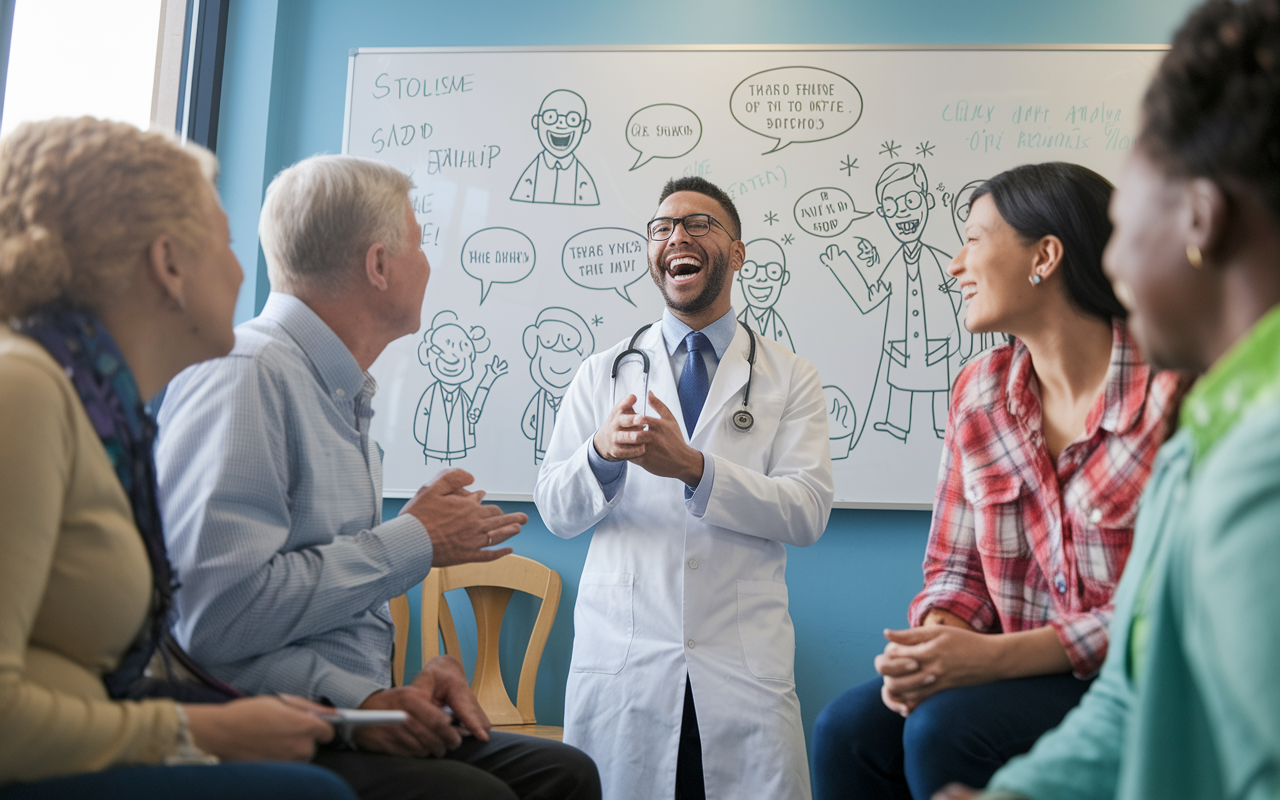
(1049, 443)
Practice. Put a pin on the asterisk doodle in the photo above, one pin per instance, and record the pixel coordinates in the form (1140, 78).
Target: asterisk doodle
(788, 239)
(891, 147)
(924, 149)
(597, 320)
(849, 165)
(771, 218)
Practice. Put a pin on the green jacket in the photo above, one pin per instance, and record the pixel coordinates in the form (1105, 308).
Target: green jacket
(1191, 706)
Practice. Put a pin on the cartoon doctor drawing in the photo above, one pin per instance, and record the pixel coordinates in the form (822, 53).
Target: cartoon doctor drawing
(556, 175)
(922, 331)
(557, 343)
(763, 274)
(445, 421)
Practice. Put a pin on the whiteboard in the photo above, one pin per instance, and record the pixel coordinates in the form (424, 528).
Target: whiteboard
(536, 171)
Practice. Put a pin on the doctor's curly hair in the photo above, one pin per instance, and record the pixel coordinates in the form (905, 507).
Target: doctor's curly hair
(80, 202)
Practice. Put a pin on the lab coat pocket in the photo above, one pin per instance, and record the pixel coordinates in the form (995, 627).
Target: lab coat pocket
(768, 638)
(602, 622)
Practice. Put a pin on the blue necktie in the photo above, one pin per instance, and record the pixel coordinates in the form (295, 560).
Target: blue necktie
(693, 380)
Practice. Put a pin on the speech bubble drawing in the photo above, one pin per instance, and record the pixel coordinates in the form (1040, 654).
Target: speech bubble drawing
(796, 104)
(826, 212)
(606, 259)
(664, 130)
(497, 255)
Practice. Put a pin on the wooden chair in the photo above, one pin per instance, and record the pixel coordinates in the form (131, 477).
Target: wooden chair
(489, 586)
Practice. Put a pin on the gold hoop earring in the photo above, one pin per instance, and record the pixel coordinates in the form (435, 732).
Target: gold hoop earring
(1035, 279)
(1194, 256)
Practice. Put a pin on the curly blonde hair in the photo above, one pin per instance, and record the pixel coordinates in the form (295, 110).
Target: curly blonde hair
(82, 199)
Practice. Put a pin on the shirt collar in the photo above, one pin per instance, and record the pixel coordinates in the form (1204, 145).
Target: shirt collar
(551, 162)
(341, 375)
(720, 333)
(1247, 377)
(1124, 395)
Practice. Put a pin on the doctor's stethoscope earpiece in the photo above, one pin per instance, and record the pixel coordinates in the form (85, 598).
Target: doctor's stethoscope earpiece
(742, 420)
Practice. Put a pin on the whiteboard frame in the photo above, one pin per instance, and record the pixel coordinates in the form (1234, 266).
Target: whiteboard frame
(356, 51)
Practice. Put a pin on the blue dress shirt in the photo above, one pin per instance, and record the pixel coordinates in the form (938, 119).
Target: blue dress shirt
(271, 494)
(720, 333)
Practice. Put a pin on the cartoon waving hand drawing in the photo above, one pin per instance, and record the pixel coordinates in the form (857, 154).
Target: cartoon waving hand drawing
(445, 420)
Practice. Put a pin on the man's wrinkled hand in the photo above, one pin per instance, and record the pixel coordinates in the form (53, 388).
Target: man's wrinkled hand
(444, 679)
(459, 524)
(429, 731)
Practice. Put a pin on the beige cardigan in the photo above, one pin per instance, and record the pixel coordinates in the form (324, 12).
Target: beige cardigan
(74, 584)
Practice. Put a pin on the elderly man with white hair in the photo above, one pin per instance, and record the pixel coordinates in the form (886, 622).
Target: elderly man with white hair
(271, 494)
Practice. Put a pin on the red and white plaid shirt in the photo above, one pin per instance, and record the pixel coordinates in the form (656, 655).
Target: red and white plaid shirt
(1019, 542)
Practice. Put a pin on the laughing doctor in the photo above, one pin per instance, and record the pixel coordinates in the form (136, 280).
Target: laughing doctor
(682, 680)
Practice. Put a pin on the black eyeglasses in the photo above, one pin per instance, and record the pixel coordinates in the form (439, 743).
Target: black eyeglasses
(572, 119)
(661, 228)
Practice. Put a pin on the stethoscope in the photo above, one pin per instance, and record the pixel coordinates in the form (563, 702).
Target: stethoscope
(742, 419)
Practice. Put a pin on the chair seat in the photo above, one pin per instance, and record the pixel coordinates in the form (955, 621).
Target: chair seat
(540, 731)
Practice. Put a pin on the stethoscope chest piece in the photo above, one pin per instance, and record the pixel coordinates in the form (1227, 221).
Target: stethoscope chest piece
(742, 420)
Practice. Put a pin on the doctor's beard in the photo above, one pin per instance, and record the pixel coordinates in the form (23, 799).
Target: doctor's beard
(719, 268)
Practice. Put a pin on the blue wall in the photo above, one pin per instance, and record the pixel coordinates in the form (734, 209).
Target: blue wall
(283, 99)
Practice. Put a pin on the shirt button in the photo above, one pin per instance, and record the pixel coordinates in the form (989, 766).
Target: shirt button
(915, 313)
(915, 292)
(917, 334)
(693, 563)
(1060, 583)
(692, 644)
(1095, 516)
(341, 393)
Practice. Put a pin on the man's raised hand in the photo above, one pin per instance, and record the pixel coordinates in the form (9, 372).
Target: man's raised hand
(460, 526)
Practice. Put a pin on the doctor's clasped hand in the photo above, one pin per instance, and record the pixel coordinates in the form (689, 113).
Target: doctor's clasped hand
(655, 444)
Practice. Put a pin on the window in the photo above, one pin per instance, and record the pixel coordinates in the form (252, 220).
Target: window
(74, 57)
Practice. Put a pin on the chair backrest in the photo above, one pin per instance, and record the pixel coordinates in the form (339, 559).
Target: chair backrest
(489, 585)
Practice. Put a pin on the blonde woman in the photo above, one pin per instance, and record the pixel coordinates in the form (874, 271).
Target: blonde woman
(115, 274)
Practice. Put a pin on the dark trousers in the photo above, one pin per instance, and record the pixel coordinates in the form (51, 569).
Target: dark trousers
(267, 781)
(689, 784)
(508, 766)
(862, 749)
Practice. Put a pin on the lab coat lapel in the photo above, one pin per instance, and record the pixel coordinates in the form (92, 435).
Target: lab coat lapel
(731, 375)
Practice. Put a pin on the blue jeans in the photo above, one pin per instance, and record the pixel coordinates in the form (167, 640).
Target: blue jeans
(862, 749)
(256, 781)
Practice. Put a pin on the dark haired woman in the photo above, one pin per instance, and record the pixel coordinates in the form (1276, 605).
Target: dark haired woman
(1187, 704)
(1049, 442)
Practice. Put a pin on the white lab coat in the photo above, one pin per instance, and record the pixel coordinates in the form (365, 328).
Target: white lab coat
(664, 594)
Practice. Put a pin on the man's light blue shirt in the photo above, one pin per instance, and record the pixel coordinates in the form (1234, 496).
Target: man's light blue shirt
(720, 333)
(271, 493)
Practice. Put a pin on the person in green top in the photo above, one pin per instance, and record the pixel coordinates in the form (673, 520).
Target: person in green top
(1186, 704)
